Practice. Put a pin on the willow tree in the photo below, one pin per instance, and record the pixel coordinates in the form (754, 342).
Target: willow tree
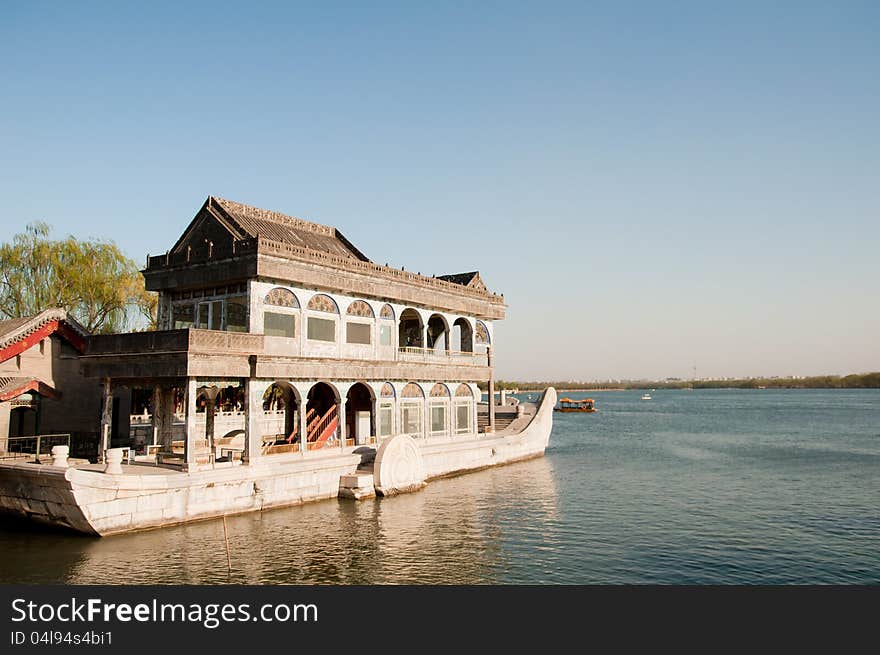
(93, 280)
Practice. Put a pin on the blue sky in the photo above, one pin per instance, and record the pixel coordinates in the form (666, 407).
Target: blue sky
(653, 186)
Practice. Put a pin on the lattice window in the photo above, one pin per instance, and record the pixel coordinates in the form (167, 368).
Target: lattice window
(387, 391)
(464, 391)
(360, 308)
(386, 312)
(322, 303)
(412, 391)
(440, 391)
(281, 298)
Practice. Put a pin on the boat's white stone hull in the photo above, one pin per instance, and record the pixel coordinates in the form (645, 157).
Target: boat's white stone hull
(96, 503)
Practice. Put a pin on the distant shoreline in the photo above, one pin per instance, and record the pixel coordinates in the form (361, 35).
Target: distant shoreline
(855, 381)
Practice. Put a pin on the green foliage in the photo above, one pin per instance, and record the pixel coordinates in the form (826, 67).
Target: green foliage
(93, 280)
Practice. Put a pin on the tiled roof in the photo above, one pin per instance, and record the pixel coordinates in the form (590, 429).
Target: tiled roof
(253, 222)
(11, 325)
(463, 279)
(471, 280)
(11, 388)
(8, 385)
(15, 329)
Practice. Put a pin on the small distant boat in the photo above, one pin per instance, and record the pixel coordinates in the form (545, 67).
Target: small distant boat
(646, 396)
(569, 405)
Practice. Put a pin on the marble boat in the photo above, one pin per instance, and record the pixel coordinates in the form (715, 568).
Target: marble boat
(286, 368)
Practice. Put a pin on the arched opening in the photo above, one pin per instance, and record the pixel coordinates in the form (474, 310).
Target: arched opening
(462, 336)
(359, 415)
(410, 329)
(438, 333)
(22, 422)
(481, 337)
(280, 425)
(322, 416)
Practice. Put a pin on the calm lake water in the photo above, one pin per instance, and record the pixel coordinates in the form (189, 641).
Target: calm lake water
(696, 487)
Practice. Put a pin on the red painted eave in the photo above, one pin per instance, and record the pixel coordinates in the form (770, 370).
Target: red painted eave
(31, 385)
(30, 340)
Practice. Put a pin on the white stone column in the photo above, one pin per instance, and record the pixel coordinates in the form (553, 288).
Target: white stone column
(253, 412)
(426, 414)
(491, 426)
(341, 414)
(189, 455)
(303, 427)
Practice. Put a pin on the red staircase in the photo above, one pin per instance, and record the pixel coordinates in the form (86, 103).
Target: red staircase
(293, 434)
(321, 428)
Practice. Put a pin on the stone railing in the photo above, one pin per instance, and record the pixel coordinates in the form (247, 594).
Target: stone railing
(270, 247)
(189, 339)
(218, 341)
(414, 354)
(138, 342)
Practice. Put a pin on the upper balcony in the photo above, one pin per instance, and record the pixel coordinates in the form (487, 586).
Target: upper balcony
(212, 353)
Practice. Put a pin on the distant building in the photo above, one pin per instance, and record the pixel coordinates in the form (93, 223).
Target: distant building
(41, 388)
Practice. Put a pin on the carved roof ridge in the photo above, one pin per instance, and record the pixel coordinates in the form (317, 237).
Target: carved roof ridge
(235, 207)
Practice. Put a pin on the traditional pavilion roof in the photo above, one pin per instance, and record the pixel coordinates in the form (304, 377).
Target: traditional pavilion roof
(19, 334)
(244, 221)
(228, 241)
(472, 280)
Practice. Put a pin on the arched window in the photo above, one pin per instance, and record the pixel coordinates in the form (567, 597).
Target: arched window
(386, 327)
(279, 317)
(464, 409)
(322, 329)
(386, 411)
(412, 398)
(360, 308)
(281, 298)
(439, 390)
(358, 331)
(439, 409)
(322, 303)
(412, 390)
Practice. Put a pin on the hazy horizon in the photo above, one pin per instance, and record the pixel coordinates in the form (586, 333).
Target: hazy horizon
(652, 188)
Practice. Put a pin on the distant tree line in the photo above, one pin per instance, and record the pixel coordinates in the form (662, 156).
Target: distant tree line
(854, 381)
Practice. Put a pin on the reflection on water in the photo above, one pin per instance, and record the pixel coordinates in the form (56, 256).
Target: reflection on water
(452, 532)
(693, 487)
